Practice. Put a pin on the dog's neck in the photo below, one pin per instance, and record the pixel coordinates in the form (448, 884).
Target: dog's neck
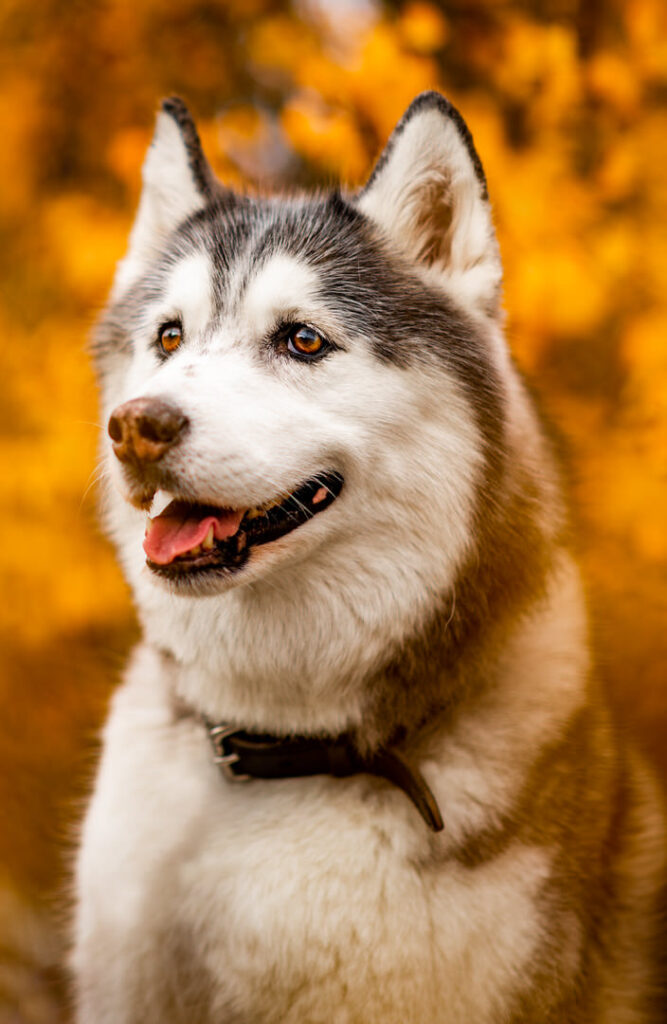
(349, 640)
(429, 677)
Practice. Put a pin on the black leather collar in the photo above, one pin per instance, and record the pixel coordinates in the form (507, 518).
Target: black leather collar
(243, 755)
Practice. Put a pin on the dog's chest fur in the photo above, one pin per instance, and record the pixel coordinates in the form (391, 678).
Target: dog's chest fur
(326, 899)
(303, 900)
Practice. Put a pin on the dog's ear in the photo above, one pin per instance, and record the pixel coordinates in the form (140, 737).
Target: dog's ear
(428, 193)
(177, 181)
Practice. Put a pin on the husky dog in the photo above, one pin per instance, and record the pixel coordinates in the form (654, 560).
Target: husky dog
(356, 588)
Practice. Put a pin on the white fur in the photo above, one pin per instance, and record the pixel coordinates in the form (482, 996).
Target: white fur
(281, 287)
(429, 165)
(169, 196)
(189, 289)
(357, 908)
(291, 938)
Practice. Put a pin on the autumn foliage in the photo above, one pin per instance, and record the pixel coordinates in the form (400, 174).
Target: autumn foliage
(565, 99)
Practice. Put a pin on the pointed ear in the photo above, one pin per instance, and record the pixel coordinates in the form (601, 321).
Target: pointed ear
(177, 181)
(428, 193)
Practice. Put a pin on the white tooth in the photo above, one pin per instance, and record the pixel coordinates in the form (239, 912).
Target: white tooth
(160, 501)
(208, 541)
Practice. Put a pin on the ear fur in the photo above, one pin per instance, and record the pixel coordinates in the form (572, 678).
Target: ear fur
(428, 193)
(177, 181)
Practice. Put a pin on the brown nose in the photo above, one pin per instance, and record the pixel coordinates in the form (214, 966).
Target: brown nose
(143, 429)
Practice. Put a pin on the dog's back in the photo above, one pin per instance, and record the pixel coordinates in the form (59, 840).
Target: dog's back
(357, 554)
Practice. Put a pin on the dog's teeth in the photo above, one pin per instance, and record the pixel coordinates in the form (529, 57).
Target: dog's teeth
(160, 501)
(208, 542)
(253, 513)
(195, 551)
(240, 543)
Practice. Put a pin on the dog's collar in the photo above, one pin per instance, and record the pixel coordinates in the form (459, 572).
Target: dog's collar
(244, 755)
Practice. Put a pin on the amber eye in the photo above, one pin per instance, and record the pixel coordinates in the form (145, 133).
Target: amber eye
(305, 342)
(170, 337)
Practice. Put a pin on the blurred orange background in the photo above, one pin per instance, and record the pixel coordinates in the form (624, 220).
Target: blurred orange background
(565, 99)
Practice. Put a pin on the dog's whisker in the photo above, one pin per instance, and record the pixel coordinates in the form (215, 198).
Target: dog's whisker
(89, 423)
(99, 474)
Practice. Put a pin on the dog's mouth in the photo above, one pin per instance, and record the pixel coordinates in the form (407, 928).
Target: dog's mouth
(191, 538)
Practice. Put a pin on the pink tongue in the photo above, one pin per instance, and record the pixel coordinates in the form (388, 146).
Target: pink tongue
(180, 528)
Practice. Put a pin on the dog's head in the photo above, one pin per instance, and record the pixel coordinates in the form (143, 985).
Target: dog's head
(305, 396)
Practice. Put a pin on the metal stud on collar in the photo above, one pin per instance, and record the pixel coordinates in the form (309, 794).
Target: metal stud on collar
(221, 756)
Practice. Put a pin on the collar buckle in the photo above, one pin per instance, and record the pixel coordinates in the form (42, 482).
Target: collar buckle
(224, 758)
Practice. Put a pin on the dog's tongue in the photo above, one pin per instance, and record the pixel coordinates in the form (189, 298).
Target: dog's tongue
(182, 527)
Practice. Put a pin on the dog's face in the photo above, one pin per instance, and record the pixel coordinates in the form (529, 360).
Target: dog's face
(305, 389)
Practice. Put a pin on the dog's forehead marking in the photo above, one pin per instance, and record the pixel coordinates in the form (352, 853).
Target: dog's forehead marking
(188, 291)
(281, 284)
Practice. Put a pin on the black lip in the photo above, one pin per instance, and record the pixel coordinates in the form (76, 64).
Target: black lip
(230, 555)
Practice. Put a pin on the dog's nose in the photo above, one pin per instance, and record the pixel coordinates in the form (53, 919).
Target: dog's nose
(143, 429)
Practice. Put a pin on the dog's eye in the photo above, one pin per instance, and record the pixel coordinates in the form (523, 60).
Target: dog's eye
(170, 337)
(305, 343)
